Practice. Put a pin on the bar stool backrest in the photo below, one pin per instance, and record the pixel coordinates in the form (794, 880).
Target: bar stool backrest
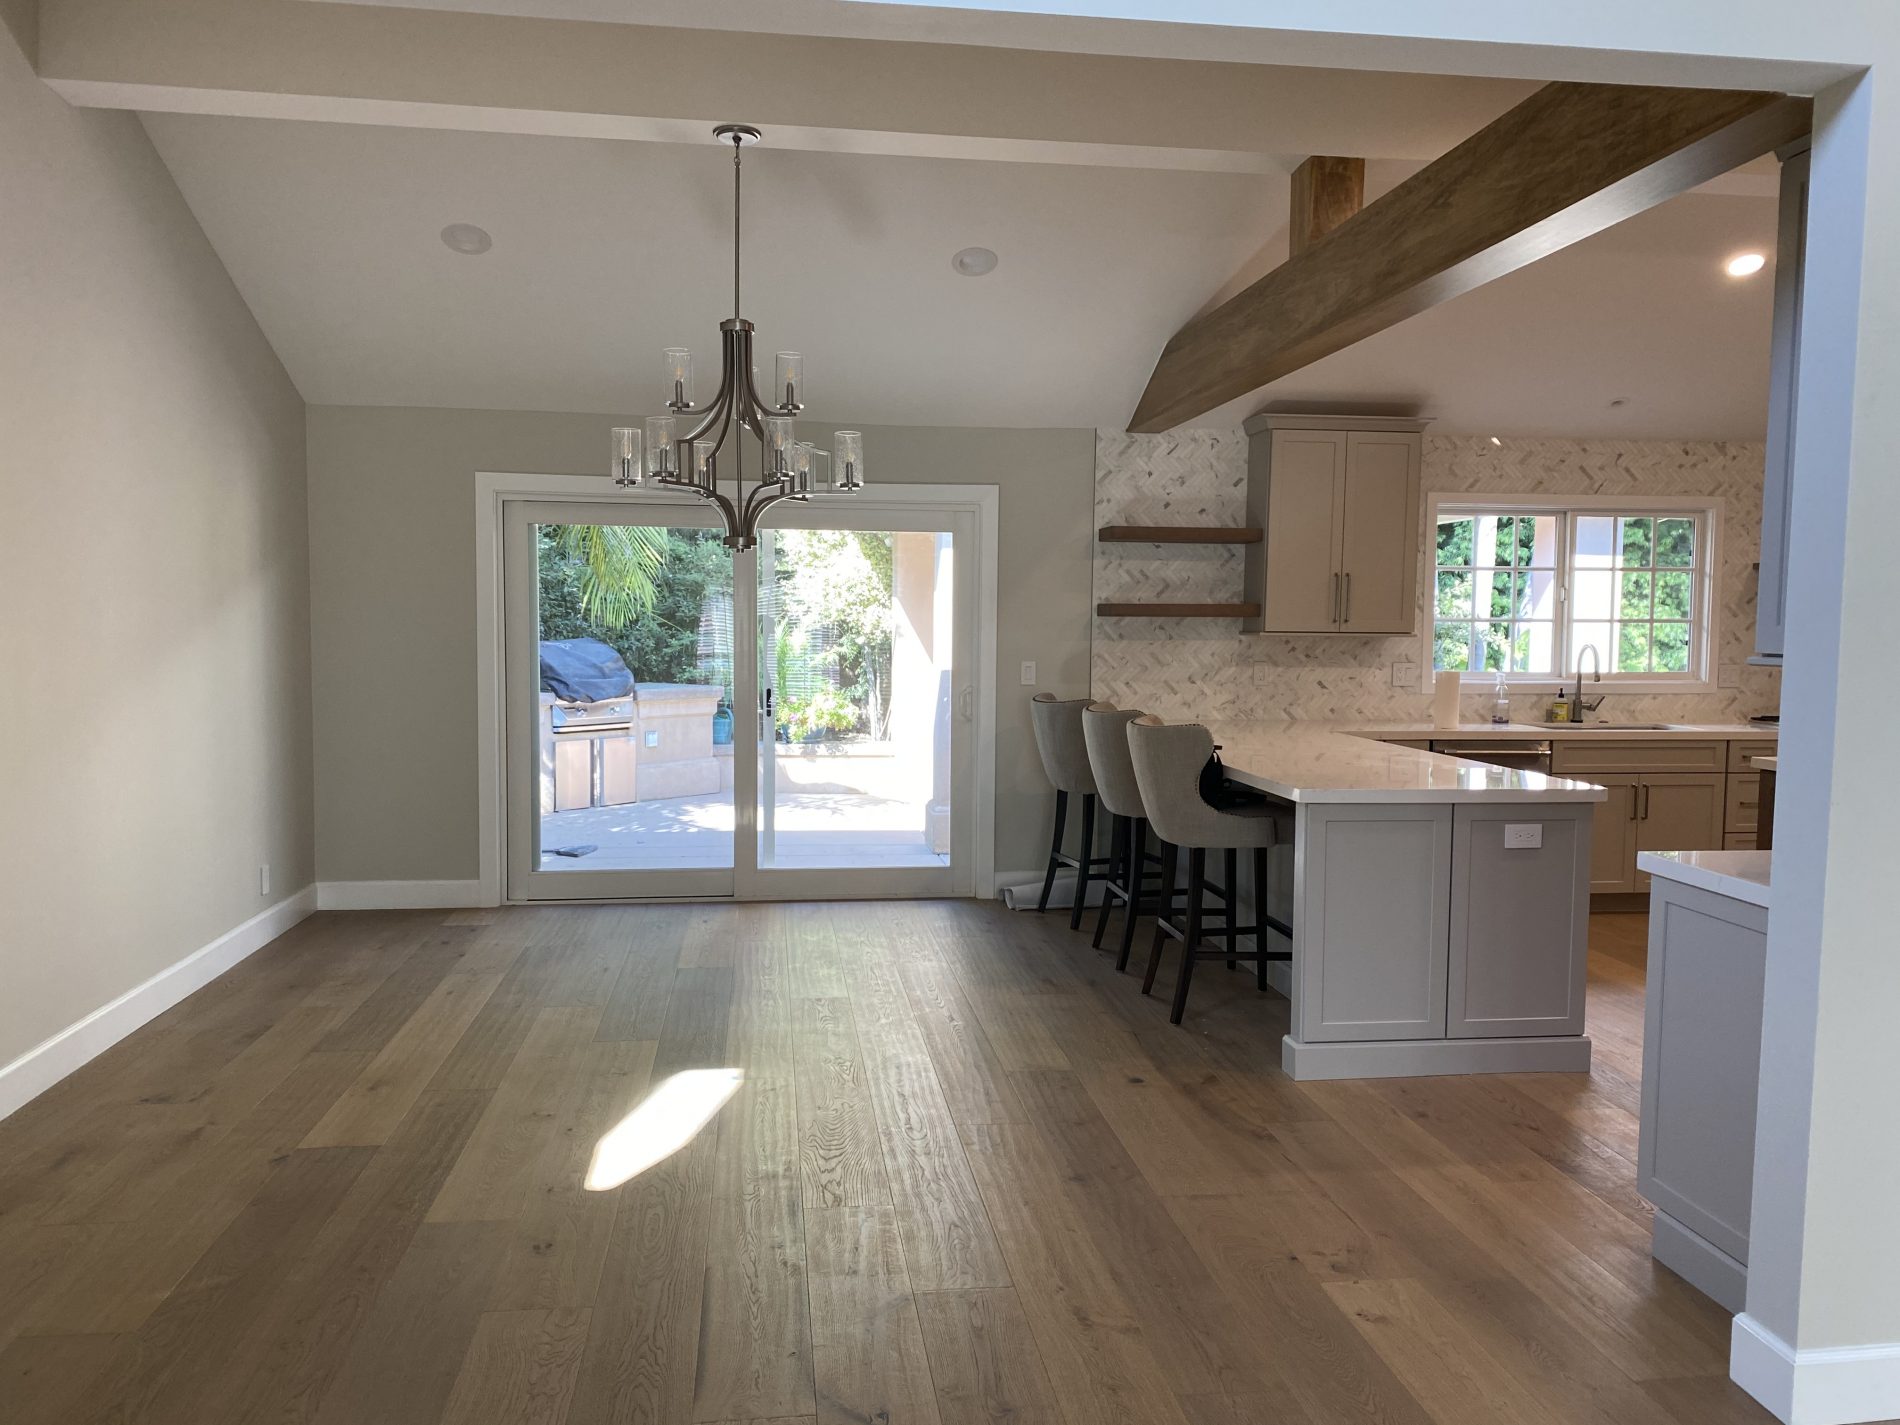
(1168, 758)
(1105, 730)
(1065, 753)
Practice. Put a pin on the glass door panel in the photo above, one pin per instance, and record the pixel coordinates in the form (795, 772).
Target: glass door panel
(858, 638)
(622, 688)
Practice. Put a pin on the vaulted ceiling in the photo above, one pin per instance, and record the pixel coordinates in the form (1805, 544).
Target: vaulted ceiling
(1122, 196)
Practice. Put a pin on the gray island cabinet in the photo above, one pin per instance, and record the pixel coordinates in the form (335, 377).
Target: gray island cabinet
(1439, 906)
(1708, 942)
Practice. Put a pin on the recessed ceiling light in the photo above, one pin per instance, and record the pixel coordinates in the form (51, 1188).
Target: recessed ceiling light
(974, 261)
(466, 237)
(1745, 264)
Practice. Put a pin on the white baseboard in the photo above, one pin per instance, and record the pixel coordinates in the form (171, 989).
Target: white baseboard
(1018, 890)
(44, 1065)
(398, 895)
(1837, 1385)
(1416, 1058)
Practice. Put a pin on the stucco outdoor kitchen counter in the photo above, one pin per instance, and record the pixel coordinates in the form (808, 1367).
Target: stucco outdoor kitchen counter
(1317, 762)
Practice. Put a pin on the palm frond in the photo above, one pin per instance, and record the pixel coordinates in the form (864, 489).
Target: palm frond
(620, 569)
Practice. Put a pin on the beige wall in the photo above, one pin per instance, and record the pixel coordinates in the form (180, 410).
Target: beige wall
(154, 703)
(392, 535)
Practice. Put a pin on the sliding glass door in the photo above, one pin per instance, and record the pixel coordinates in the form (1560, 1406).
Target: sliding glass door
(791, 722)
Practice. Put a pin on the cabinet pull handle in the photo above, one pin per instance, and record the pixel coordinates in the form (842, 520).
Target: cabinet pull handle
(1346, 613)
(1635, 795)
(1335, 616)
(1646, 801)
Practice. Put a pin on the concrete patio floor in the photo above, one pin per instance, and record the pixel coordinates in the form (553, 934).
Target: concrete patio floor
(814, 829)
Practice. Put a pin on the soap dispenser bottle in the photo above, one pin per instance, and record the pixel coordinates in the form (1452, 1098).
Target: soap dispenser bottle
(1501, 704)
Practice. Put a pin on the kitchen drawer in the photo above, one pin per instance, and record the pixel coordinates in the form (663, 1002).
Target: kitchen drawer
(1744, 842)
(1580, 756)
(1744, 804)
(1739, 752)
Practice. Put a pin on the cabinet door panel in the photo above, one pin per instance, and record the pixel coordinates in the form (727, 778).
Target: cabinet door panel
(1613, 834)
(1379, 537)
(1680, 812)
(1520, 921)
(1372, 966)
(1302, 540)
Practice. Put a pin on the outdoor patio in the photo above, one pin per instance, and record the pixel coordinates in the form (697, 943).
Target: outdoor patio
(814, 829)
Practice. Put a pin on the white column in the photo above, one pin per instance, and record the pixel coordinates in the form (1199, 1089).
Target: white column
(1820, 1339)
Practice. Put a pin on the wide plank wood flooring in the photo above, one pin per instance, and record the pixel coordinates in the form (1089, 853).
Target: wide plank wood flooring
(971, 1176)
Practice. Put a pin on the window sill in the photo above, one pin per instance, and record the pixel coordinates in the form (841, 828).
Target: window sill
(1611, 686)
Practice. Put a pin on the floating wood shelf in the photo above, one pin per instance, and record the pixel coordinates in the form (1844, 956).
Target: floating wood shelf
(1177, 534)
(1177, 610)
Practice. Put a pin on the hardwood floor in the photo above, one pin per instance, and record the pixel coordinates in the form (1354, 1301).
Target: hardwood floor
(971, 1175)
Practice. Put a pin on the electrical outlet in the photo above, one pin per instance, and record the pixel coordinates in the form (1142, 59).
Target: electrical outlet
(1029, 673)
(1405, 675)
(263, 879)
(1523, 836)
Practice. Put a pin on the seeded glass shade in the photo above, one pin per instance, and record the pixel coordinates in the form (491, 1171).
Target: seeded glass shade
(659, 445)
(679, 375)
(789, 388)
(626, 456)
(847, 459)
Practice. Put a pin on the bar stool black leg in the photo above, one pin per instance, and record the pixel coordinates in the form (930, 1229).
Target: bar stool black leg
(1260, 915)
(1137, 880)
(1197, 884)
(1055, 850)
(1117, 847)
(1233, 907)
(1084, 855)
(1170, 861)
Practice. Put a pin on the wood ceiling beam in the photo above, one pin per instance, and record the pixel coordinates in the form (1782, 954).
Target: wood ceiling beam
(1570, 161)
(1326, 191)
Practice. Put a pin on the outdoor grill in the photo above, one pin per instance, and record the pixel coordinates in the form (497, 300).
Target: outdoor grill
(587, 725)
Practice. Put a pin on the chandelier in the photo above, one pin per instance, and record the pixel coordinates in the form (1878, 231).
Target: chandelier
(693, 459)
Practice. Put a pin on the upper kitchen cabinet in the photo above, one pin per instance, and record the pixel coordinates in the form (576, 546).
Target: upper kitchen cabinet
(1771, 602)
(1338, 499)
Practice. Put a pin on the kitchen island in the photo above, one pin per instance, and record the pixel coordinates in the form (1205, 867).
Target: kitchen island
(1439, 906)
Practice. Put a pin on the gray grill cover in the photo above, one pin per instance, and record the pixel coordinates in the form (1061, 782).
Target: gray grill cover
(583, 670)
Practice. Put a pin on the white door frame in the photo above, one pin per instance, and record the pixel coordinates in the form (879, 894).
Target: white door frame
(493, 490)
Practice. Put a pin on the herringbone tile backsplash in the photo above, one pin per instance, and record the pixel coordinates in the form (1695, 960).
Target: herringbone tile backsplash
(1184, 668)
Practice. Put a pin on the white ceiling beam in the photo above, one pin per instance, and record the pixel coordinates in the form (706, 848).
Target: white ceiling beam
(390, 65)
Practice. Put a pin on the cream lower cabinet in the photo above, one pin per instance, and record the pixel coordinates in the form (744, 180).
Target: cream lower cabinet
(1679, 811)
(1663, 796)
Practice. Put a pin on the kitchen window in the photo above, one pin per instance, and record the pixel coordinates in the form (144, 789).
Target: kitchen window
(1521, 588)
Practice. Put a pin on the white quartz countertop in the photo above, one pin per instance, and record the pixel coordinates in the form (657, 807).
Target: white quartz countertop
(1739, 875)
(1328, 762)
(1598, 732)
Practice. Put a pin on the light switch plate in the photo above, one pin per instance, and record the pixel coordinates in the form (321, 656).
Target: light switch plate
(1523, 835)
(1405, 675)
(1029, 673)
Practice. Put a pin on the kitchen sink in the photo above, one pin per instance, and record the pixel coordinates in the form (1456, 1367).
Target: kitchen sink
(1619, 726)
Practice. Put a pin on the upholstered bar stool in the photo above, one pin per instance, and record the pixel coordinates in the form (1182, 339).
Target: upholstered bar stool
(1065, 759)
(1105, 730)
(1168, 761)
